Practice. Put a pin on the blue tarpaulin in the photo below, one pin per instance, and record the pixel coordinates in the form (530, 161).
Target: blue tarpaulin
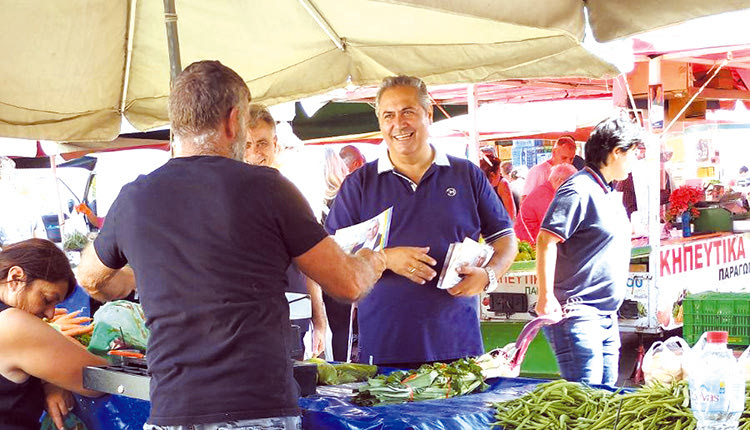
(331, 409)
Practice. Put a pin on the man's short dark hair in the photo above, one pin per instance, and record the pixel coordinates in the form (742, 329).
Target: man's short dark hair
(608, 135)
(203, 95)
(743, 169)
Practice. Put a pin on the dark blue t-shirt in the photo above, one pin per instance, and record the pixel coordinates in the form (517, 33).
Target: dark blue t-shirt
(593, 257)
(400, 321)
(210, 240)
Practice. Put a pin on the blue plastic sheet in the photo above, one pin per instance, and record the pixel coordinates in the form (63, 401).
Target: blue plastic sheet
(112, 412)
(473, 411)
(78, 300)
(334, 411)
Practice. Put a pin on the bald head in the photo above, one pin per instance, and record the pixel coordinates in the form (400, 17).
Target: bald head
(352, 157)
(560, 173)
(564, 150)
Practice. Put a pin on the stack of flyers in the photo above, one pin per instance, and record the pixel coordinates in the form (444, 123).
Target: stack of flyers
(466, 253)
(371, 234)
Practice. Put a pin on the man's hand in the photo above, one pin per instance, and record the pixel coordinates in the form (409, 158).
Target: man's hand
(473, 282)
(412, 263)
(376, 260)
(58, 402)
(547, 305)
(318, 341)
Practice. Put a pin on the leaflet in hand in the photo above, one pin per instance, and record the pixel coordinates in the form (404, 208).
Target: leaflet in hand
(469, 253)
(371, 234)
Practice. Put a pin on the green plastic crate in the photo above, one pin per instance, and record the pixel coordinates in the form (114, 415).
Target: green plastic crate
(712, 311)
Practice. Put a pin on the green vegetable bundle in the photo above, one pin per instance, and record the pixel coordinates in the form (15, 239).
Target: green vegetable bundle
(745, 418)
(570, 405)
(429, 382)
(342, 373)
(526, 252)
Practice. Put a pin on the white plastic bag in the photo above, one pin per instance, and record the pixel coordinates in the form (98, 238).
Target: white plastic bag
(744, 362)
(666, 361)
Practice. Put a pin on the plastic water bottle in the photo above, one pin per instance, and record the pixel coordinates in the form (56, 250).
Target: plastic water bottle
(717, 384)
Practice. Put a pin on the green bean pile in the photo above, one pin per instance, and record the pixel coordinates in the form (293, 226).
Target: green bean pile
(572, 406)
(745, 418)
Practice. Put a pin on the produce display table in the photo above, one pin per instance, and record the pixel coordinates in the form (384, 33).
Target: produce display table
(331, 409)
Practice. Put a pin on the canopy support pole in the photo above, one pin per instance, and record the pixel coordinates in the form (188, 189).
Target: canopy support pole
(473, 104)
(128, 56)
(322, 23)
(173, 40)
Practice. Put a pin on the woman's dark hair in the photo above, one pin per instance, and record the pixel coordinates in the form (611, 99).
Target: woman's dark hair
(608, 135)
(39, 259)
(489, 165)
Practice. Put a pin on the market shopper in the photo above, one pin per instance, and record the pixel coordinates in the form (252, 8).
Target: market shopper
(490, 165)
(563, 152)
(36, 362)
(262, 149)
(535, 206)
(437, 200)
(352, 157)
(209, 238)
(583, 252)
(340, 315)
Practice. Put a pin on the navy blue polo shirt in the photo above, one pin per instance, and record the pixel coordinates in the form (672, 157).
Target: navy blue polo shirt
(593, 257)
(401, 321)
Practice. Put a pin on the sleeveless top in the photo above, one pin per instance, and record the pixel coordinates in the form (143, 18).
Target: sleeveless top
(21, 405)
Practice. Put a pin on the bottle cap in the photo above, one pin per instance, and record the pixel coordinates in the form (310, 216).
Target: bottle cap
(717, 337)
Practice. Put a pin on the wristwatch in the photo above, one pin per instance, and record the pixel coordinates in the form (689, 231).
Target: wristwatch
(492, 285)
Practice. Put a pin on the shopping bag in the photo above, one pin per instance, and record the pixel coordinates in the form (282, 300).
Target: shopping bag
(119, 325)
(666, 361)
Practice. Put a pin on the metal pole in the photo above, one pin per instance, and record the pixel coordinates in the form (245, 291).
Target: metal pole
(473, 104)
(173, 41)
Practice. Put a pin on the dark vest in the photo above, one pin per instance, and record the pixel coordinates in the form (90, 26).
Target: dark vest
(21, 405)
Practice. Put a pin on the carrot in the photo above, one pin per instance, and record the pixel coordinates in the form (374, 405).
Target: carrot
(60, 311)
(80, 320)
(63, 317)
(78, 330)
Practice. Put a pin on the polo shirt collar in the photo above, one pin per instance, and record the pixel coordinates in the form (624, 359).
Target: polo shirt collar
(597, 175)
(385, 164)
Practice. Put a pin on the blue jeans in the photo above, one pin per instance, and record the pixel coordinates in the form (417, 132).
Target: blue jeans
(587, 348)
(276, 423)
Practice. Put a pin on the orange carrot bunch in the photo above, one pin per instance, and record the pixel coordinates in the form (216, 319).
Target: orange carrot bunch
(70, 324)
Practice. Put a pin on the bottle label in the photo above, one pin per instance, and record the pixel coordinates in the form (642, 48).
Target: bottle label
(713, 395)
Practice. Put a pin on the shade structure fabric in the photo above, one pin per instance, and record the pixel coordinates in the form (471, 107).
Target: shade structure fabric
(72, 69)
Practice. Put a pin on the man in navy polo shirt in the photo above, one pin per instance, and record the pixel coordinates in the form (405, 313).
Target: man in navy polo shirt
(583, 252)
(437, 200)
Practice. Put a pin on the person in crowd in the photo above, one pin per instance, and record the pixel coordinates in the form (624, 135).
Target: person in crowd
(352, 157)
(37, 362)
(335, 171)
(506, 170)
(437, 200)
(535, 206)
(742, 179)
(583, 252)
(563, 152)
(517, 180)
(262, 149)
(209, 239)
(490, 165)
(339, 314)
(92, 218)
(627, 187)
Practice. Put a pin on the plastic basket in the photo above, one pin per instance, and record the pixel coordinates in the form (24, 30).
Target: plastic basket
(711, 311)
